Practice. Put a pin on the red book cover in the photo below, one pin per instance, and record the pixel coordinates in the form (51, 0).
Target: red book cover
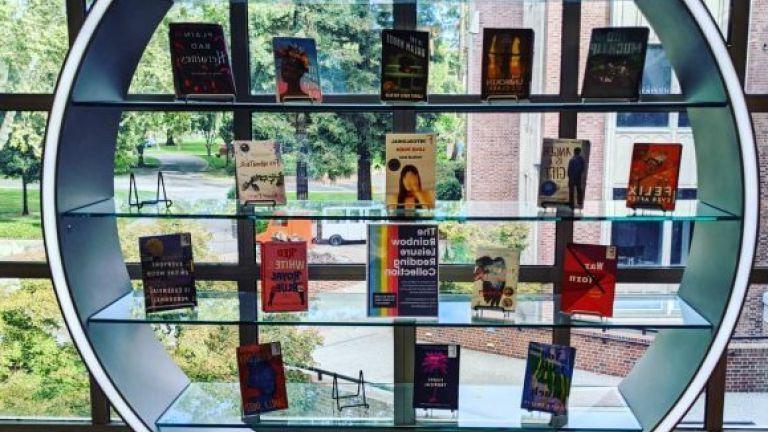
(589, 279)
(653, 176)
(200, 60)
(284, 276)
(262, 378)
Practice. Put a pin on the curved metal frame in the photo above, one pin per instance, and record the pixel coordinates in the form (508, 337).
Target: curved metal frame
(88, 270)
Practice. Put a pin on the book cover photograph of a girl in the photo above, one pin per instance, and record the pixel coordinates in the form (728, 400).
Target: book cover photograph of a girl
(410, 171)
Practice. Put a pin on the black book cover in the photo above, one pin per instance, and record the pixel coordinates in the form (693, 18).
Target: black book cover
(404, 65)
(436, 378)
(167, 270)
(200, 60)
(507, 60)
(615, 63)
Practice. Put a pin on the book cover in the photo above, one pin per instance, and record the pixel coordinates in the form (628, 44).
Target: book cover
(262, 378)
(563, 172)
(199, 60)
(653, 176)
(167, 271)
(404, 65)
(548, 376)
(436, 376)
(284, 276)
(297, 71)
(402, 270)
(260, 177)
(507, 60)
(589, 279)
(411, 161)
(495, 278)
(615, 62)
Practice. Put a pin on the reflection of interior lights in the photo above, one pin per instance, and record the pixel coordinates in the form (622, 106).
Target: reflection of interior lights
(50, 223)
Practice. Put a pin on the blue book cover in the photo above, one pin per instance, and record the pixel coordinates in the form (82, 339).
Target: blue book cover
(167, 271)
(548, 376)
(436, 377)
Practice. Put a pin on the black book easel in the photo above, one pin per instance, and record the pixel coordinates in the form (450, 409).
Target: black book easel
(133, 193)
(360, 393)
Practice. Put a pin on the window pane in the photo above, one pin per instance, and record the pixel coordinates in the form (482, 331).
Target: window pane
(20, 159)
(34, 35)
(347, 35)
(757, 48)
(41, 374)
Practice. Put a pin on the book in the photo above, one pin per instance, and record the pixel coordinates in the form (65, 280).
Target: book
(200, 61)
(653, 176)
(495, 278)
(507, 60)
(548, 376)
(167, 272)
(563, 172)
(260, 176)
(436, 376)
(262, 378)
(404, 65)
(402, 270)
(615, 63)
(411, 161)
(284, 276)
(297, 71)
(589, 279)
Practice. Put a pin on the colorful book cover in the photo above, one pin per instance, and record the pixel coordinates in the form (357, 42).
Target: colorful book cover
(548, 375)
(589, 279)
(507, 60)
(262, 378)
(260, 177)
(296, 69)
(615, 63)
(402, 270)
(495, 278)
(167, 270)
(436, 377)
(404, 65)
(563, 172)
(200, 60)
(411, 161)
(653, 175)
(284, 276)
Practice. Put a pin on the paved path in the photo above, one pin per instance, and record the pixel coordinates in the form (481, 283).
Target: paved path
(180, 162)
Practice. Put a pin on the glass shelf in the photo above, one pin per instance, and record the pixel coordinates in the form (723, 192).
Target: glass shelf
(217, 405)
(631, 311)
(616, 211)
(437, 103)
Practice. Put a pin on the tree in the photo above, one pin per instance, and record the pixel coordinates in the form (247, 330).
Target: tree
(208, 123)
(21, 157)
(227, 134)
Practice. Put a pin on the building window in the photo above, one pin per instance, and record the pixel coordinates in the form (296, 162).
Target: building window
(657, 79)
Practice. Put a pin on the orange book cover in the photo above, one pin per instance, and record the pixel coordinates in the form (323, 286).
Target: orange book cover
(653, 176)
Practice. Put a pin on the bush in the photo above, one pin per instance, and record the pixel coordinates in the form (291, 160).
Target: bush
(449, 190)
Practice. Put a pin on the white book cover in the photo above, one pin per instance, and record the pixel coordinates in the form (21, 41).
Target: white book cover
(260, 177)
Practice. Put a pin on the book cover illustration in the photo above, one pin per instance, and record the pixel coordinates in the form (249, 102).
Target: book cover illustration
(404, 65)
(200, 61)
(402, 270)
(297, 71)
(507, 60)
(615, 63)
(167, 271)
(589, 279)
(284, 276)
(548, 376)
(653, 176)
(563, 172)
(495, 279)
(260, 176)
(411, 161)
(262, 378)
(436, 376)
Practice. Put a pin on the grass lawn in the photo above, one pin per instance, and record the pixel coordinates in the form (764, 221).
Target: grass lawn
(12, 224)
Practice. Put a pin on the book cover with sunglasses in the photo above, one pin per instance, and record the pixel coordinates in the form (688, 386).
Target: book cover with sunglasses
(589, 279)
(200, 61)
(284, 276)
(296, 69)
(260, 177)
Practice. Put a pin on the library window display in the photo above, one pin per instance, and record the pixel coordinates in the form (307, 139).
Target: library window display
(471, 214)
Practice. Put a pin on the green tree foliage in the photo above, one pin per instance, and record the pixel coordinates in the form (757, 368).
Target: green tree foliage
(21, 156)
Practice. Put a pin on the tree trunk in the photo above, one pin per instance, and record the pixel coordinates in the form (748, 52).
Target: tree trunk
(24, 197)
(364, 192)
(169, 140)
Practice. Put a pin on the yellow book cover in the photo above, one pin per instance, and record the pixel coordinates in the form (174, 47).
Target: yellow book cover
(410, 168)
